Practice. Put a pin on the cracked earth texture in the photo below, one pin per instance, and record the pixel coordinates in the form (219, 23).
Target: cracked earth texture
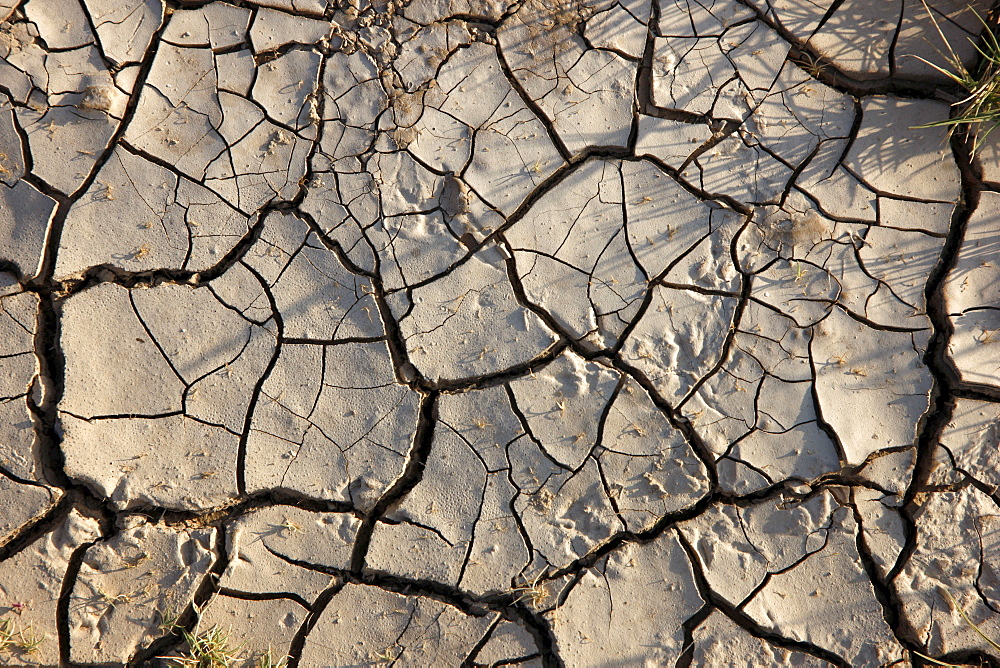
(473, 332)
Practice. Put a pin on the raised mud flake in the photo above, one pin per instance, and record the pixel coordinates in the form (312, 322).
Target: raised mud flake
(825, 598)
(874, 273)
(969, 442)
(469, 322)
(882, 527)
(687, 18)
(331, 423)
(879, 157)
(218, 138)
(679, 339)
(840, 40)
(621, 27)
(972, 282)
(568, 395)
(869, 43)
(22, 61)
(971, 298)
(784, 123)
(741, 548)
(62, 24)
(970, 346)
(440, 141)
(671, 141)
(169, 461)
(305, 537)
(7, 8)
(257, 544)
(732, 565)
(176, 337)
(438, 520)
(511, 643)
(429, 11)
(31, 582)
(471, 536)
(364, 624)
(25, 216)
(201, 361)
(586, 94)
(179, 112)
(586, 252)
(317, 297)
(414, 242)
(218, 25)
(955, 553)
(288, 104)
(129, 584)
(140, 216)
(865, 409)
(423, 48)
(304, 7)
(18, 372)
(73, 100)
(898, 260)
(840, 194)
(650, 469)
(21, 504)
(740, 167)
(630, 606)
(798, 114)
(273, 29)
(784, 441)
(718, 641)
(565, 513)
(125, 29)
(12, 163)
(470, 91)
(713, 65)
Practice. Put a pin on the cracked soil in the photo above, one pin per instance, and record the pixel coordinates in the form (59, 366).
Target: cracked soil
(489, 333)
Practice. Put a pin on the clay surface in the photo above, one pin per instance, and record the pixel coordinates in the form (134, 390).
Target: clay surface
(489, 333)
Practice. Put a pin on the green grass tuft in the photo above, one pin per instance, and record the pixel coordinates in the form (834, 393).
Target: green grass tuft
(982, 103)
(209, 649)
